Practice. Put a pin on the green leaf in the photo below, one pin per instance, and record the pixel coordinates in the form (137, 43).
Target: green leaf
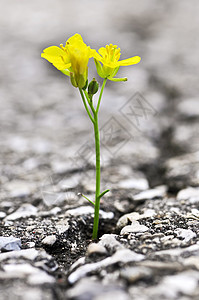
(87, 199)
(103, 193)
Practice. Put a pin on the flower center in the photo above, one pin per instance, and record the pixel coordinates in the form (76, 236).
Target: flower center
(112, 53)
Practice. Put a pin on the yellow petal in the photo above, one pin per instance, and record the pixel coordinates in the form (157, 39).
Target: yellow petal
(102, 51)
(53, 51)
(93, 53)
(55, 55)
(76, 38)
(97, 56)
(129, 61)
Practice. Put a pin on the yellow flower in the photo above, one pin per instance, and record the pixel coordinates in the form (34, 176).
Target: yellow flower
(109, 57)
(71, 59)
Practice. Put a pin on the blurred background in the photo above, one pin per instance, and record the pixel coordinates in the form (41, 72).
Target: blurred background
(42, 120)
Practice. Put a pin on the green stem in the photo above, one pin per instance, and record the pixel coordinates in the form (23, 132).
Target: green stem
(86, 107)
(100, 96)
(89, 102)
(97, 151)
(97, 191)
(94, 120)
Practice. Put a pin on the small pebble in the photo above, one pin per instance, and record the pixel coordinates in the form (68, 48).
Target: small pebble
(2, 215)
(183, 283)
(19, 188)
(109, 241)
(149, 194)
(191, 194)
(82, 210)
(96, 248)
(10, 244)
(134, 227)
(62, 226)
(133, 274)
(192, 261)
(30, 244)
(186, 234)
(134, 216)
(40, 278)
(26, 210)
(138, 184)
(49, 240)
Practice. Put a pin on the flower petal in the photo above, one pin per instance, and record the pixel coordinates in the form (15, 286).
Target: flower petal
(102, 51)
(96, 55)
(53, 51)
(76, 38)
(129, 61)
(55, 55)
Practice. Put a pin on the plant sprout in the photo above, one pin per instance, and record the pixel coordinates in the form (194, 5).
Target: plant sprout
(72, 60)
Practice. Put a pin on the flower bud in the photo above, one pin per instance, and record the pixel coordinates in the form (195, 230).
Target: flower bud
(93, 87)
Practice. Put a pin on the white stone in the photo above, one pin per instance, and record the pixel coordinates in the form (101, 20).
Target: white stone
(40, 278)
(6, 204)
(125, 219)
(106, 215)
(51, 198)
(134, 273)
(183, 283)
(31, 294)
(30, 244)
(25, 211)
(186, 234)
(49, 240)
(60, 167)
(62, 226)
(70, 182)
(195, 212)
(2, 214)
(84, 210)
(134, 228)
(121, 256)
(149, 194)
(192, 261)
(7, 240)
(178, 251)
(77, 263)
(53, 211)
(134, 183)
(30, 163)
(96, 248)
(189, 107)
(135, 216)
(30, 254)
(19, 188)
(116, 295)
(20, 269)
(190, 193)
(87, 288)
(109, 241)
